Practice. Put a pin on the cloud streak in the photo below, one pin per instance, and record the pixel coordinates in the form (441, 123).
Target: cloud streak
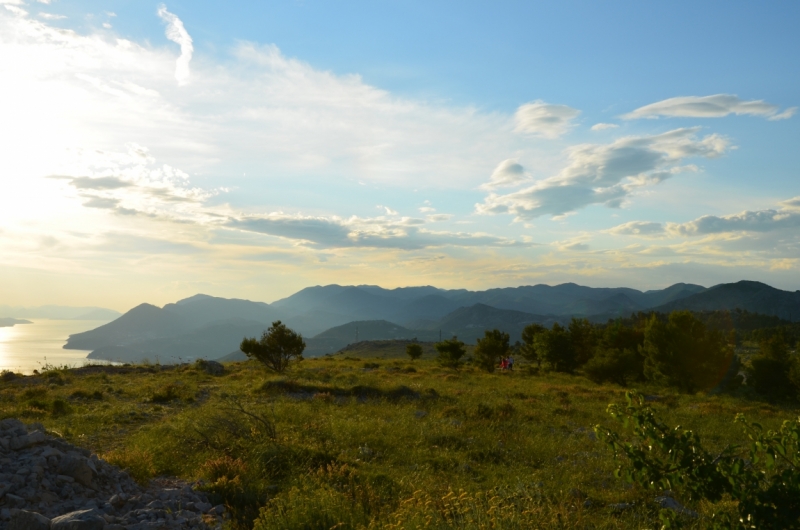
(177, 33)
(716, 106)
(359, 232)
(544, 119)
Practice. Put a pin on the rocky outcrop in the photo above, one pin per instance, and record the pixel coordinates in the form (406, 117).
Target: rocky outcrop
(49, 484)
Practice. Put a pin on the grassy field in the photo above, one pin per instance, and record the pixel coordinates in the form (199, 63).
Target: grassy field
(361, 441)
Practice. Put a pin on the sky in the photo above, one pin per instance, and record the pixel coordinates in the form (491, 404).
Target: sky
(151, 151)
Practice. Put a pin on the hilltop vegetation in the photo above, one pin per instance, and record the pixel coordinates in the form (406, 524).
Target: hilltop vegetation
(370, 442)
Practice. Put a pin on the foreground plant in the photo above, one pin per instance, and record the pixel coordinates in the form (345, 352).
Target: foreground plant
(765, 488)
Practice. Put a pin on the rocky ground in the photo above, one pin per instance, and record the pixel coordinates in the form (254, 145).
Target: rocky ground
(47, 483)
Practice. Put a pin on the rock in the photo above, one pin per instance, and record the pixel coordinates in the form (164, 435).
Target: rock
(79, 520)
(211, 367)
(23, 520)
(669, 503)
(76, 467)
(14, 501)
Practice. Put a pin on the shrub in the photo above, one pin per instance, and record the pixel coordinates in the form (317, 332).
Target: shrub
(414, 351)
(450, 352)
(61, 407)
(554, 346)
(614, 365)
(765, 486)
(683, 353)
(277, 347)
(528, 349)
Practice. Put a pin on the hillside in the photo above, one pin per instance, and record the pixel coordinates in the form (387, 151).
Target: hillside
(11, 322)
(59, 312)
(327, 316)
(755, 297)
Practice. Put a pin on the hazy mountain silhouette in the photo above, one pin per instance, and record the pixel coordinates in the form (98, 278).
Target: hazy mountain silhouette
(59, 312)
(755, 297)
(207, 326)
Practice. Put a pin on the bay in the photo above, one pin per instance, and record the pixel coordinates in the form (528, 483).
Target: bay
(28, 347)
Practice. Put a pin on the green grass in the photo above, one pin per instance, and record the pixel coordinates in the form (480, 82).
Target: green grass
(371, 442)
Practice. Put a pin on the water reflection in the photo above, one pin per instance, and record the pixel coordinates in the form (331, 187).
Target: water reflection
(28, 347)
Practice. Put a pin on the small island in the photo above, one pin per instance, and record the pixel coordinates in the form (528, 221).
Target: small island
(11, 322)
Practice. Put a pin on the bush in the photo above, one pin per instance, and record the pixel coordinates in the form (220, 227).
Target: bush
(683, 353)
(555, 347)
(614, 365)
(764, 482)
(277, 347)
(450, 352)
(414, 351)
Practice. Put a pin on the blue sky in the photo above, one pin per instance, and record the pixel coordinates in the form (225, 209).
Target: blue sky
(251, 149)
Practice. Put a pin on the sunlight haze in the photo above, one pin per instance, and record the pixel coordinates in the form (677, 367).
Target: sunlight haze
(249, 149)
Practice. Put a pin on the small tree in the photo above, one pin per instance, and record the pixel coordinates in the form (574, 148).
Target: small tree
(684, 353)
(528, 350)
(583, 336)
(555, 348)
(773, 372)
(450, 352)
(277, 347)
(491, 348)
(613, 364)
(414, 351)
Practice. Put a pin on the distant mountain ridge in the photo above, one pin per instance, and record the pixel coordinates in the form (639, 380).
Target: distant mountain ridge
(327, 316)
(59, 312)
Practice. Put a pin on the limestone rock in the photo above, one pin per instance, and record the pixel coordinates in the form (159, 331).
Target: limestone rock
(79, 520)
(24, 520)
(76, 467)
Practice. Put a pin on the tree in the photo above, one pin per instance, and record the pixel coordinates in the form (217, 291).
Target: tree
(773, 372)
(684, 353)
(528, 350)
(414, 351)
(450, 352)
(555, 348)
(491, 348)
(277, 347)
(613, 364)
(583, 336)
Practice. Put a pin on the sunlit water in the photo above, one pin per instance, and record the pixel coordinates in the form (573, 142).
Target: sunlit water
(27, 347)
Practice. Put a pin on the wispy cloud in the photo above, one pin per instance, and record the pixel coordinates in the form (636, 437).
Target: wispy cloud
(544, 119)
(716, 106)
(359, 232)
(638, 228)
(607, 174)
(507, 173)
(770, 220)
(177, 33)
(604, 126)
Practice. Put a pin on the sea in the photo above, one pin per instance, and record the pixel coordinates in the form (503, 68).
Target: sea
(28, 347)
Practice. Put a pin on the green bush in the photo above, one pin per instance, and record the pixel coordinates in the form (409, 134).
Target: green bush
(613, 365)
(764, 481)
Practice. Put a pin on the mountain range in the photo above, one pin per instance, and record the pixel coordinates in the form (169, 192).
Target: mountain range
(59, 312)
(332, 316)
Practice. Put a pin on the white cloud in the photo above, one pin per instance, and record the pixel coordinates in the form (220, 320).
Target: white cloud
(178, 34)
(439, 217)
(51, 16)
(544, 119)
(359, 232)
(638, 228)
(507, 173)
(426, 209)
(716, 106)
(604, 126)
(607, 174)
(759, 221)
